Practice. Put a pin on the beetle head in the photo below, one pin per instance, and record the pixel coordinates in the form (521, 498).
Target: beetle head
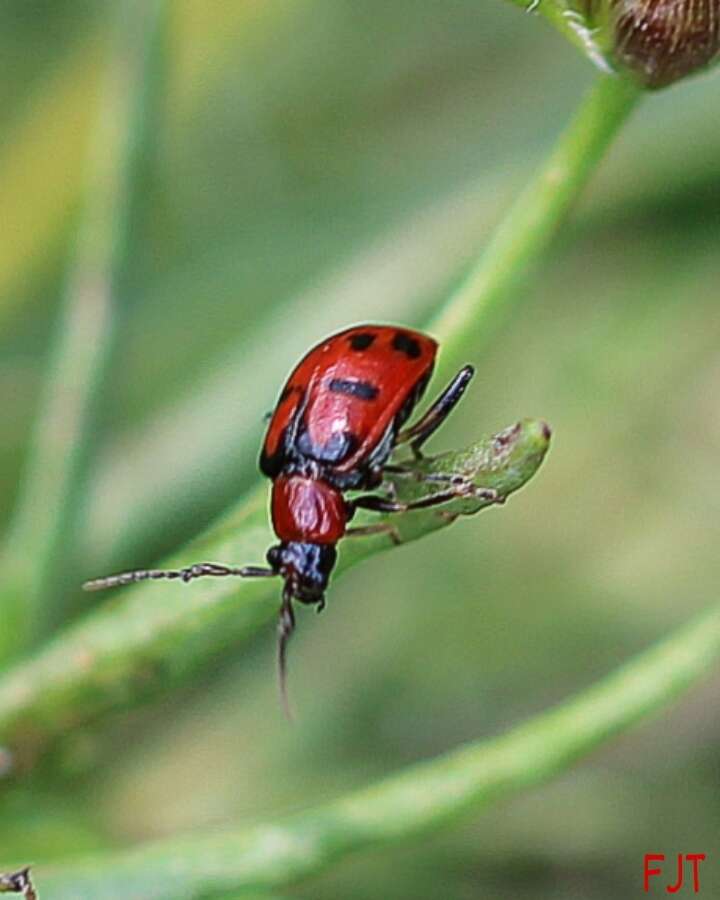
(305, 567)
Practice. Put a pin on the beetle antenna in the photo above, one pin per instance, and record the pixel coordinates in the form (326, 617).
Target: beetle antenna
(286, 626)
(197, 570)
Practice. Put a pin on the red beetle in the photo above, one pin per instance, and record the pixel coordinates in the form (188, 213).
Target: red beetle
(337, 421)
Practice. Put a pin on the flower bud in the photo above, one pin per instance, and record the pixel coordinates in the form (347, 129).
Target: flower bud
(660, 41)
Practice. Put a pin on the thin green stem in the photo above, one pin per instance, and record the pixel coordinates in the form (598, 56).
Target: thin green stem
(53, 482)
(523, 237)
(405, 807)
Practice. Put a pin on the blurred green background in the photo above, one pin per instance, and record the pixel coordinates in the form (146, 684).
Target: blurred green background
(311, 165)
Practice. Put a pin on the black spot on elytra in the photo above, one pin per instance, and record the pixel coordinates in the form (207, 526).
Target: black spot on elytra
(406, 344)
(363, 390)
(361, 341)
(272, 466)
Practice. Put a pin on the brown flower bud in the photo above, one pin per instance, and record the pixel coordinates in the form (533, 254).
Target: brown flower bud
(660, 41)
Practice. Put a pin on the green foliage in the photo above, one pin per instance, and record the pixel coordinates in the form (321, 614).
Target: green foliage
(423, 798)
(58, 457)
(272, 173)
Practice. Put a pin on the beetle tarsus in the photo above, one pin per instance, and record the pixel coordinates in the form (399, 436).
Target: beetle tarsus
(489, 494)
(18, 883)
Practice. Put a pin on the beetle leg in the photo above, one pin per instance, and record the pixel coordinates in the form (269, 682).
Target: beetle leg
(389, 488)
(445, 478)
(465, 489)
(462, 482)
(197, 570)
(407, 472)
(18, 883)
(377, 528)
(417, 434)
(376, 503)
(399, 469)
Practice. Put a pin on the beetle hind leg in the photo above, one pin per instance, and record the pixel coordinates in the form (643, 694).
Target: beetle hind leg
(377, 528)
(427, 425)
(464, 488)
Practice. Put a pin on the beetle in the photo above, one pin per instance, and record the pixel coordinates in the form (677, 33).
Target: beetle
(338, 419)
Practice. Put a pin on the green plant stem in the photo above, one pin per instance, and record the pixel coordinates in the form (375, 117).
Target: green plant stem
(159, 633)
(530, 225)
(405, 807)
(53, 482)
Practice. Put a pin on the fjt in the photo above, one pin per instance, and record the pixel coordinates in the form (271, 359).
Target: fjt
(650, 871)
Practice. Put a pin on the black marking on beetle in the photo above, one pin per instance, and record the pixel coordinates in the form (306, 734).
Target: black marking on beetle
(363, 390)
(406, 344)
(362, 341)
(272, 465)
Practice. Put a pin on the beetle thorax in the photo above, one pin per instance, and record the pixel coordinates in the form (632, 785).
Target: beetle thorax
(308, 510)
